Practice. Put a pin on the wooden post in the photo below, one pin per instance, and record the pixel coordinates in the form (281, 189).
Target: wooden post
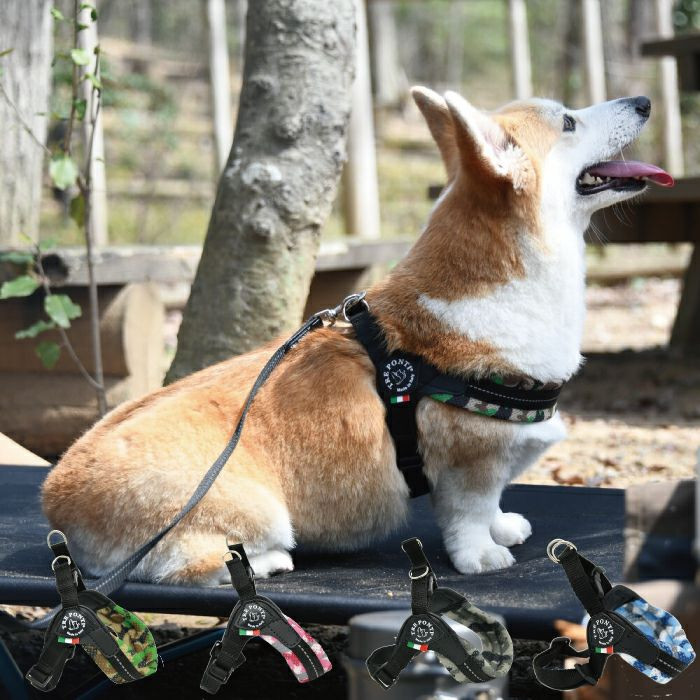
(390, 86)
(593, 50)
(686, 328)
(220, 81)
(520, 49)
(673, 134)
(360, 181)
(87, 40)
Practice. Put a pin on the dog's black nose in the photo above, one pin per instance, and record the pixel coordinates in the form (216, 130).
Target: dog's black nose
(642, 106)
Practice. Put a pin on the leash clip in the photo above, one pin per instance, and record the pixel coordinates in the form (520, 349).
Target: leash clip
(330, 316)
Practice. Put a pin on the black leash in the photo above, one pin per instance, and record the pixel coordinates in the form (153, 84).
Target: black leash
(116, 577)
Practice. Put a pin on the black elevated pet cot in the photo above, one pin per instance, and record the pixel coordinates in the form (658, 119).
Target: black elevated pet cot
(330, 588)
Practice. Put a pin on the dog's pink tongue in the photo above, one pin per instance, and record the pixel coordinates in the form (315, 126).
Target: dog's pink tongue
(633, 168)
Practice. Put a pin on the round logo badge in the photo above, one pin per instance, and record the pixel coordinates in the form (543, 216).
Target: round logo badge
(253, 616)
(73, 624)
(422, 631)
(602, 630)
(399, 375)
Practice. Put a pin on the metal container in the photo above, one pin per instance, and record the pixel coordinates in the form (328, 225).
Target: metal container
(423, 679)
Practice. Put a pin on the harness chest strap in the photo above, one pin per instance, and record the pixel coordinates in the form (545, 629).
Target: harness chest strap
(403, 379)
(426, 630)
(257, 616)
(608, 632)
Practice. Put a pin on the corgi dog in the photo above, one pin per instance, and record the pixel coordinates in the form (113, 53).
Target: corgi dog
(495, 284)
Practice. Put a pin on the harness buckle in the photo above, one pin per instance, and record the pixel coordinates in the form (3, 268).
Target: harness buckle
(217, 672)
(43, 680)
(378, 677)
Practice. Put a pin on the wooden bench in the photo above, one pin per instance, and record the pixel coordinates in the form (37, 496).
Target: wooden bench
(666, 216)
(45, 410)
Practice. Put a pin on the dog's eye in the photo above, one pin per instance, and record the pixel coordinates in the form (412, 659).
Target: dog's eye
(569, 123)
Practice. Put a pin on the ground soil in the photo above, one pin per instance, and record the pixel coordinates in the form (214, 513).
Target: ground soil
(633, 412)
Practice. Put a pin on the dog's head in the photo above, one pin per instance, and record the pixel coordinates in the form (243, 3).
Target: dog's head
(540, 157)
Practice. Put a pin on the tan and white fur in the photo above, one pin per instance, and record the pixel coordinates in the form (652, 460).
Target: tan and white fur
(495, 283)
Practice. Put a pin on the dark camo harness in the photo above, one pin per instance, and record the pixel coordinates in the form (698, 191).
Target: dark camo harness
(426, 630)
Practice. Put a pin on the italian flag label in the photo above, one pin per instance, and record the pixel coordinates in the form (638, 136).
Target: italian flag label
(249, 633)
(69, 640)
(604, 650)
(419, 647)
(400, 399)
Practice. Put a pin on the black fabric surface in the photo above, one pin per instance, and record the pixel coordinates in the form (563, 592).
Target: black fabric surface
(330, 588)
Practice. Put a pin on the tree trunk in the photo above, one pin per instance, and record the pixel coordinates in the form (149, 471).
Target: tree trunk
(26, 28)
(279, 182)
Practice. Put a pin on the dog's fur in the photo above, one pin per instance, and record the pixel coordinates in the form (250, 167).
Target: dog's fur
(494, 284)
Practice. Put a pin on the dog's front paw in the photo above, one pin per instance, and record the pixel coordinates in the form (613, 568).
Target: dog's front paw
(475, 557)
(274, 561)
(510, 529)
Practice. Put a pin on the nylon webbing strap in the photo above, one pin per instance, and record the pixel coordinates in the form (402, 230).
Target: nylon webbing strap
(242, 577)
(46, 672)
(400, 409)
(421, 575)
(587, 580)
(116, 577)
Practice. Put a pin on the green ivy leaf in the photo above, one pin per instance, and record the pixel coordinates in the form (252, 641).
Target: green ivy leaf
(17, 257)
(34, 330)
(77, 210)
(48, 352)
(61, 309)
(5, 52)
(63, 171)
(80, 57)
(80, 108)
(96, 82)
(57, 14)
(21, 286)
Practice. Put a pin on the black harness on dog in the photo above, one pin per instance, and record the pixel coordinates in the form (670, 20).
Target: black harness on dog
(404, 378)
(257, 616)
(620, 623)
(426, 630)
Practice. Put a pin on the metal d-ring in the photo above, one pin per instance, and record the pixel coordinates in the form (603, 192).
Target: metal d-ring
(230, 542)
(233, 554)
(556, 544)
(330, 316)
(351, 301)
(60, 556)
(48, 537)
(423, 575)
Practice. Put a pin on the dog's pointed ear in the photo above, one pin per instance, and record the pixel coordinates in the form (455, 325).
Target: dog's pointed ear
(485, 148)
(441, 125)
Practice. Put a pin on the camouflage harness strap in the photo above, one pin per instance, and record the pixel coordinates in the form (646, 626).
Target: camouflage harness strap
(426, 630)
(257, 616)
(404, 378)
(649, 639)
(116, 640)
